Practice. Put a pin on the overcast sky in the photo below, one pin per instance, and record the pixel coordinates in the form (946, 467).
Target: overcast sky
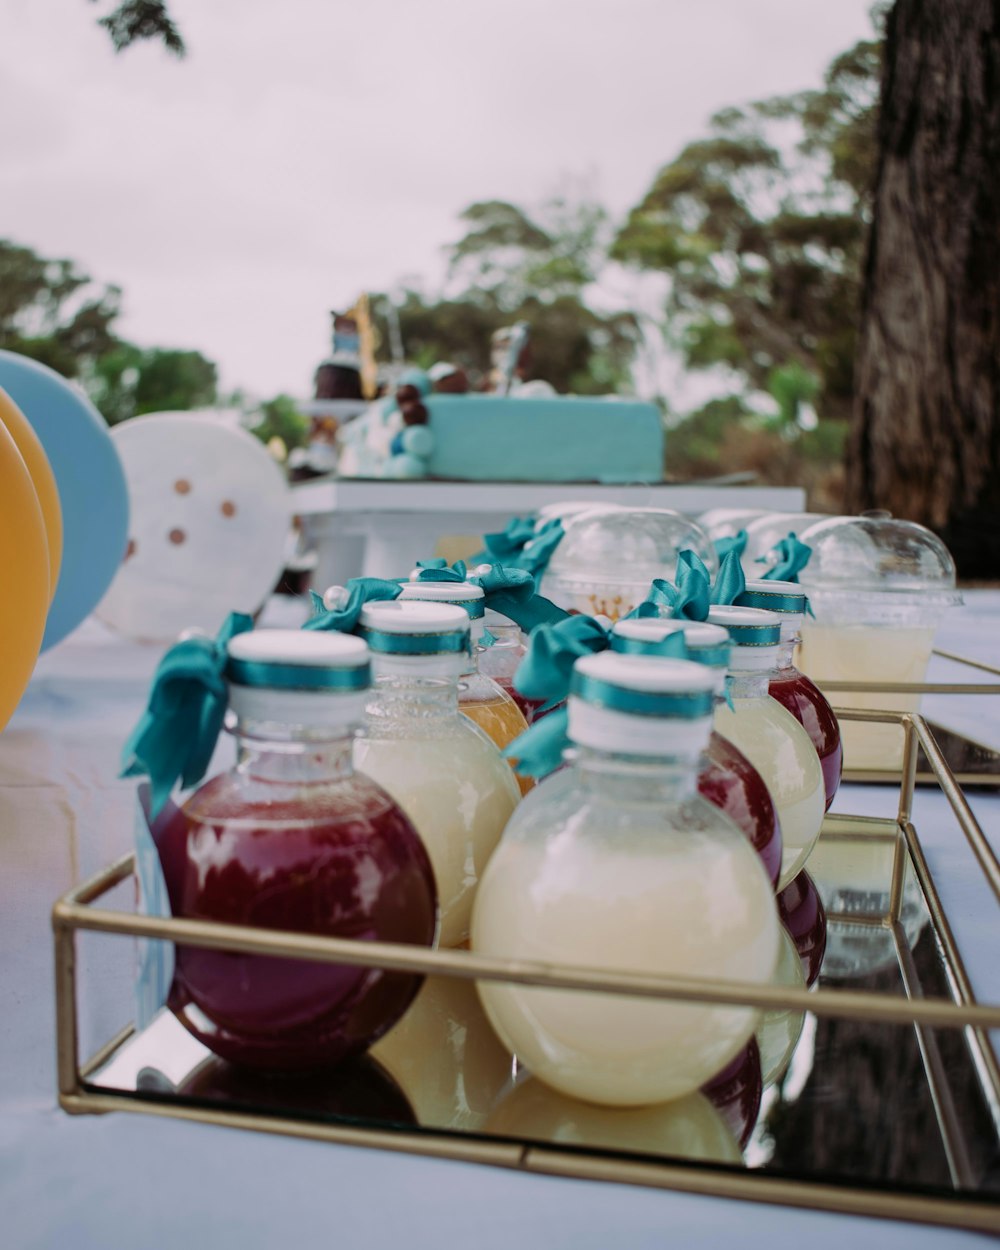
(306, 150)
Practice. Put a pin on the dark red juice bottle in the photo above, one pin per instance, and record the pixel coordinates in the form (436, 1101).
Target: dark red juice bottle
(736, 1092)
(803, 915)
(292, 838)
(729, 781)
(792, 689)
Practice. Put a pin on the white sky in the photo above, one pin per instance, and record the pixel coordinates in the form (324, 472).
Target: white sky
(306, 150)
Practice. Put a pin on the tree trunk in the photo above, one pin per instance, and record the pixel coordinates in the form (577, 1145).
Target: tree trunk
(926, 437)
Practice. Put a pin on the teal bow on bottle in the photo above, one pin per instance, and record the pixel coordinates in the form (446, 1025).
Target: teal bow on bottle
(351, 599)
(792, 557)
(545, 673)
(737, 543)
(439, 571)
(511, 592)
(176, 735)
(689, 599)
(731, 582)
(510, 541)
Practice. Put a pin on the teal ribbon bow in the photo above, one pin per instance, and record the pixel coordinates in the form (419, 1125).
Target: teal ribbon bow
(731, 582)
(792, 558)
(511, 592)
(510, 542)
(546, 672)
(439, 571)
(176, 735)
(689, 599)
(354, 596)
(737, 543)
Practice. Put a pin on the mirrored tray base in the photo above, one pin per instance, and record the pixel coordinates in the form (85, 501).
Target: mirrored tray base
(885, 1100)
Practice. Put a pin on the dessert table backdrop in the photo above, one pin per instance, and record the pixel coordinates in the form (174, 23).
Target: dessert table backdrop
(127, 1181)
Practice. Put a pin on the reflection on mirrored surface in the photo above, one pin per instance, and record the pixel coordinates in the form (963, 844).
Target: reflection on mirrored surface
(446, 1056)
(853, 1102)
(688, 1128)
(737, 1091)
(779, 1031)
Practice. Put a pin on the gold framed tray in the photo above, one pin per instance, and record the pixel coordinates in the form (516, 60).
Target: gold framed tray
(887, 1103)
(972, 762)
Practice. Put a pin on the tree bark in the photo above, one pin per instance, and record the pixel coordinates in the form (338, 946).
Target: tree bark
(926, 436)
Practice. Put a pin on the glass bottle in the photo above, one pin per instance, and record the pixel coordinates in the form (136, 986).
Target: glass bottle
(480, 698)
(794, 690)
(769, 735)
(627, 868)
(442, 769)
(804, 917)
(292, 838)
(726, 777)
(499, 656)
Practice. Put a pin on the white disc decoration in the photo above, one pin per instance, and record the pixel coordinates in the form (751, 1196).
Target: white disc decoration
(210, 518)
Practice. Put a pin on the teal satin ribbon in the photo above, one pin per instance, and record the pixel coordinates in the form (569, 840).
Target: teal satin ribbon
(176, 735)
(539, 750)
(688, 600)
(511, 592)
(671, 646)
(731, 582)
(511, 541)
(792, 558)
(454, 642)
(439, 571)
(755, 635)
(360, 590)
(773, 601)
(737, 543)
(537, 551)
(544, 673)
(689, 705)
(298, 676)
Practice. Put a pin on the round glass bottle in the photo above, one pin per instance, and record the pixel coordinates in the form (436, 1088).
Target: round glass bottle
(769, 735)
(726, 777)
(442, 769)
(794, 690)
(480, 698)
(292, 838)
(627, 868)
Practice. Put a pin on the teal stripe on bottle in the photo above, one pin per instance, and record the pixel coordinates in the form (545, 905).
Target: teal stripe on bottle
(453, 642)
(270, 676)
(782, 602)
(690, 705)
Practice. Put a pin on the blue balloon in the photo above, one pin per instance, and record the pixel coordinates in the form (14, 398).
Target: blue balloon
(91, 483)
(406, 467)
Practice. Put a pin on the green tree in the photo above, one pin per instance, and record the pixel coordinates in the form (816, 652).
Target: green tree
(52, 312)
(761, 228)
(280, 418)
(128, 381)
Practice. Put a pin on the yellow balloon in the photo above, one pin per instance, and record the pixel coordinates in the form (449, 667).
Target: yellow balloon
(24, 575)
(42, 477)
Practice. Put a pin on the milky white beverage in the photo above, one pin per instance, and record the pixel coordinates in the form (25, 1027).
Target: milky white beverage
(779, 1031)
(868, 653)
(459, 792)
(781, 751)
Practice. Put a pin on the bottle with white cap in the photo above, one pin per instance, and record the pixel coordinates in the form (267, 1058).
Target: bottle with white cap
(444, 771)
(628, 869)
(293, 838)
(726, 777)
(793, 689)
(481, 698)
(768, 735)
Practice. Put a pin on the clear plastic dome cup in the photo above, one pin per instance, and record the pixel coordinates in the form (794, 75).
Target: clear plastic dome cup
(764, 532)
(606, 561)
(879, 589)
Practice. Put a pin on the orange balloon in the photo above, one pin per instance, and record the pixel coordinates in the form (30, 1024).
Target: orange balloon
(42, 477)
(24, 575)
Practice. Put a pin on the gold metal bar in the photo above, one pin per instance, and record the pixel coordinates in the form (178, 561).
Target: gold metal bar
(949, 1212)
(960, 806)
(963, 659)
(100, 1057)
(949, 1125)
(396, 957)
(961, 985)
(67, 1039)
(904, 687)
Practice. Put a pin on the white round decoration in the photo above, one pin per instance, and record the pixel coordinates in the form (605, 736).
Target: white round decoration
(210, 518)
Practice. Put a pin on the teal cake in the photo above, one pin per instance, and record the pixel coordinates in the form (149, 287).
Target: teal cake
(507, 438)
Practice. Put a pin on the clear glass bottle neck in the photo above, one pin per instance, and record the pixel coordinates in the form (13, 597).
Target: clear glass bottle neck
(636, 778)
(786, 652)
(503, 636)
(425, 697)
(296, 754)
(749, 685)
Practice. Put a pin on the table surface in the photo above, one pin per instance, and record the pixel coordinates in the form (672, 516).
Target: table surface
(133, 1181)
